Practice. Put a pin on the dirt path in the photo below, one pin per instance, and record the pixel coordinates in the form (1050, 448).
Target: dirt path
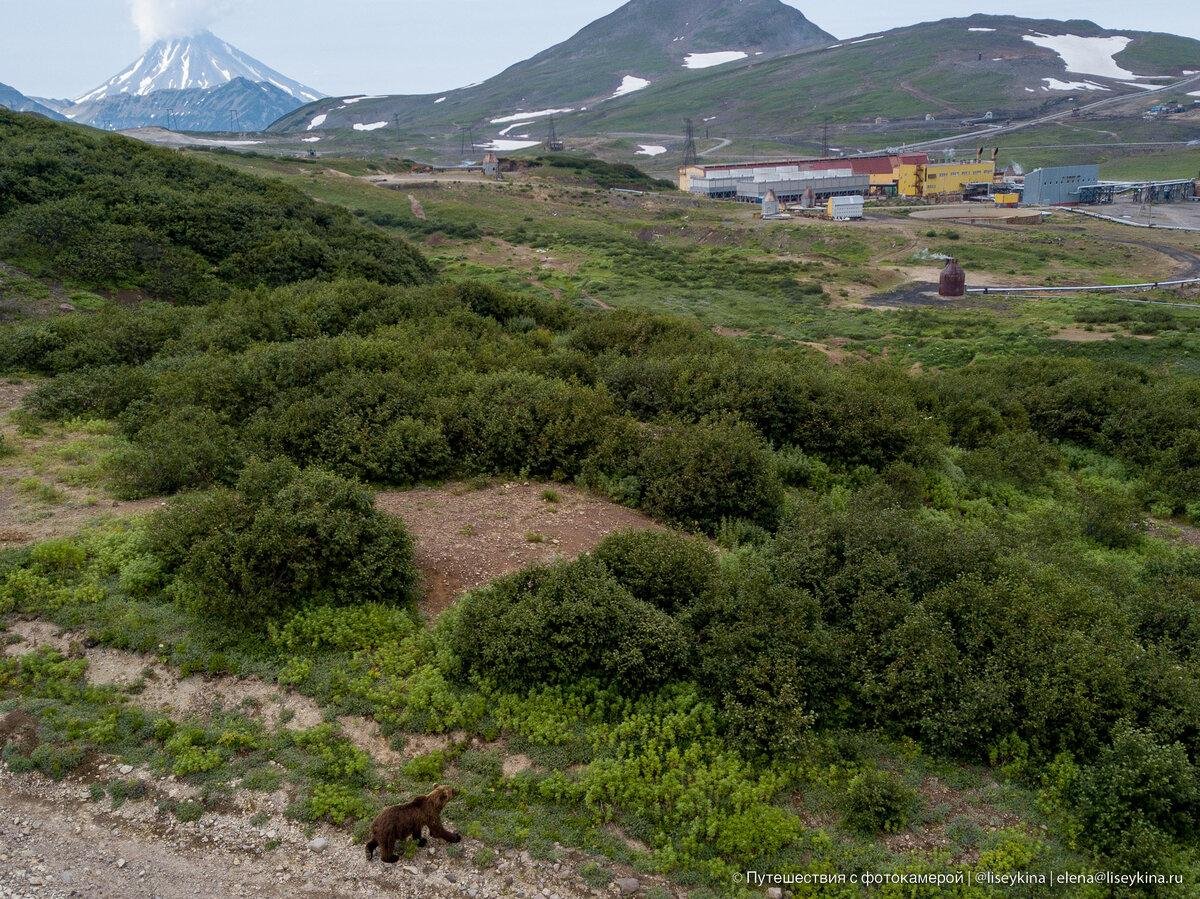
(929, 98)
(55, 841)
(161, 689)
(466, 538)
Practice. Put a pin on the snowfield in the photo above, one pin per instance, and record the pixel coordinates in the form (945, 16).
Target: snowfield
(318, 121)
(1053, 84)
(310, 140)
(374, 126)
(440, 100)
(1086, 55)
(541, 113)
(650, 150)
(350, 100)
(629, 84)
(508, 145)
(708, 60)
(514, 125)
(981, 29)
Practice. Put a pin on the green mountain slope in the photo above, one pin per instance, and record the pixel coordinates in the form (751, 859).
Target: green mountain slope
(645, 39)
(952, 68)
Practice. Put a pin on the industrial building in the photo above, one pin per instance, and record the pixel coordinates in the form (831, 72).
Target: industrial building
(791, 179)
(1057, 185)
(844, 209)
(942, 179)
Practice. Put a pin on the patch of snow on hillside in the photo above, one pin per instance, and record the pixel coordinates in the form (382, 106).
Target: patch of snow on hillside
(318, 121)
(708, 60)
(1053, 84)
(1030, 90)
(629, 84)
(863, 40)
(1190, 72)
(1086, 55)
(541, 113)
(310, 140)
(508, 145)
(514, 125)
(650, 150)
(374, 126)
(440, 100)
(981, 29)
(1194, 93)
(349, 100)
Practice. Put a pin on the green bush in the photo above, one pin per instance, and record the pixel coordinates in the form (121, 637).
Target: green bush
(878, 801)
(699, 474)
(567, 621)
(666, 570)
(286, 538)
(187, 448)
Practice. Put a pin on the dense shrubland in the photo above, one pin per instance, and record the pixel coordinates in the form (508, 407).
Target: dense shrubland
(114, 213)
(954, 562)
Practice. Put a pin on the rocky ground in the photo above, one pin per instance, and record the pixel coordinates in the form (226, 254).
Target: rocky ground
(55, 841)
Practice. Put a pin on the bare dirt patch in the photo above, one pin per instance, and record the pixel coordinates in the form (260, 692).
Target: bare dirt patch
(466, 538)
(947, 805)
(1082, 335)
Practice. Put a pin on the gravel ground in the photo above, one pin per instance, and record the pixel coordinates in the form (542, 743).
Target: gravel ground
(56, 842)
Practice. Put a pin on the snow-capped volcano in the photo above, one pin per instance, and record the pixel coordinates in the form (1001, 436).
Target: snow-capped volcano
(200, 61)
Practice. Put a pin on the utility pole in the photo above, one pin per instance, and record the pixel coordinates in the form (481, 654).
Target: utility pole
(690, 156)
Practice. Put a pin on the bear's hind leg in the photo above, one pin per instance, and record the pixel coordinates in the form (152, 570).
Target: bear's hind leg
(371, 847)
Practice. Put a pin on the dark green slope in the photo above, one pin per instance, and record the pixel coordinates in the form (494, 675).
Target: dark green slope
(104, 211)
(648, 39)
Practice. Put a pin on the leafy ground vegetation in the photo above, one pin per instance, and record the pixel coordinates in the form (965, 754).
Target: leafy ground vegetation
(907, 619)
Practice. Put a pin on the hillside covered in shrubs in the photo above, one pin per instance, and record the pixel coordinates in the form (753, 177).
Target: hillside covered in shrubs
(108, 212)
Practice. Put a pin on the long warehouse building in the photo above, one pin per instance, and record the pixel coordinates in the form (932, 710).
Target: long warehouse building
(791, 178)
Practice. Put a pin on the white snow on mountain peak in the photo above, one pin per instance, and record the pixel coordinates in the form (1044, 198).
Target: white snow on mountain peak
(200, 61)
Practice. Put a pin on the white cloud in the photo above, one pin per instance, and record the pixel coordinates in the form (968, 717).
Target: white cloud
(158, 19)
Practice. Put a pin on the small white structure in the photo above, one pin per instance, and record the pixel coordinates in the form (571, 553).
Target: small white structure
(844, 209)
(770, 205)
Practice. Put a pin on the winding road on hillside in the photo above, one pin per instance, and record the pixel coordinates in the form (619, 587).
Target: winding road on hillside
(1192, 81)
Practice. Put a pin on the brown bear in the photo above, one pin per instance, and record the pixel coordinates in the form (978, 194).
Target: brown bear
(408, 821)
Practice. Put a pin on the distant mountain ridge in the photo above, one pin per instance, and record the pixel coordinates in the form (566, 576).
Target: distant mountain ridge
(201, 61)
(640, 44)
(11, 98)
(239, 105)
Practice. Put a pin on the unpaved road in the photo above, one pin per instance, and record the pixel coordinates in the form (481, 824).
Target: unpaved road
(56, 841)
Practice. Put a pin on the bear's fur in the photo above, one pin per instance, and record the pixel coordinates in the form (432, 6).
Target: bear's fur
(408, 821)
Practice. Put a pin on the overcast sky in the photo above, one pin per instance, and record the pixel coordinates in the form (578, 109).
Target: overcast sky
(63, 48)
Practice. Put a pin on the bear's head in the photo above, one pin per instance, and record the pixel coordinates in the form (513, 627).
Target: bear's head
(441, 795)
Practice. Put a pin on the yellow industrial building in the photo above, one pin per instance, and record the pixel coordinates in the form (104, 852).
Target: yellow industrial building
(936, 179)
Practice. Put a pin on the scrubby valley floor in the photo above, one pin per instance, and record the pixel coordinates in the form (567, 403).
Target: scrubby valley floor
(677, 542)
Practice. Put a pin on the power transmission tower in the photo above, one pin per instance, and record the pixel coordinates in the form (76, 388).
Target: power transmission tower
(690, 156)
(553, 144)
